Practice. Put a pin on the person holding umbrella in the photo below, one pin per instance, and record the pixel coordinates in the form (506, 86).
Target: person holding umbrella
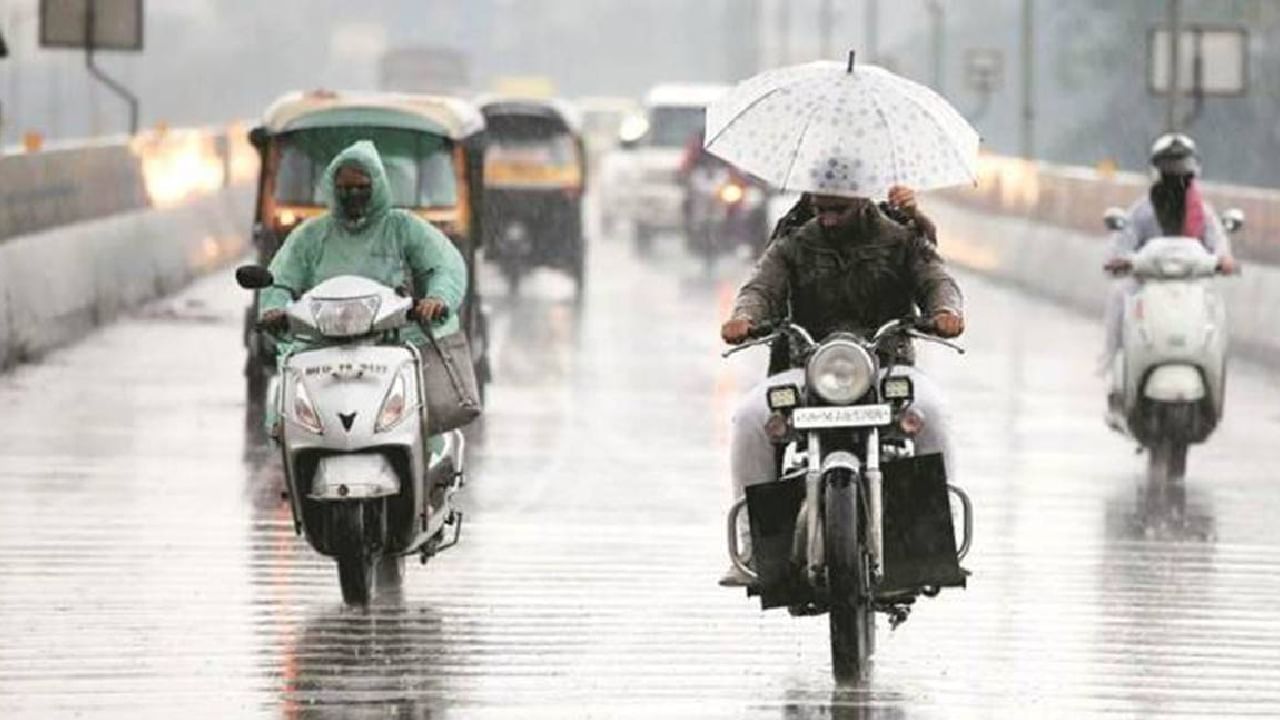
(843, 137)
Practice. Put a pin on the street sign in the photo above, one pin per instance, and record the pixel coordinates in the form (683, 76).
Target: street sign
(983, 69)
(117, 24)
(1212, 61)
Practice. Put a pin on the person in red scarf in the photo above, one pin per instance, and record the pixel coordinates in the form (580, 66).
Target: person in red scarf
(1173, 207)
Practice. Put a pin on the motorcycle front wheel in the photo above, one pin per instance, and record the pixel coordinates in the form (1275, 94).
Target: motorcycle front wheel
(851, 613)
(355, 562)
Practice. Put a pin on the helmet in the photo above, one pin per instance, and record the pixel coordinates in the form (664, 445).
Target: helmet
(1175, 154)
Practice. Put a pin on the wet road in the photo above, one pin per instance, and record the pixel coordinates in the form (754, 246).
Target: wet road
(147, 566)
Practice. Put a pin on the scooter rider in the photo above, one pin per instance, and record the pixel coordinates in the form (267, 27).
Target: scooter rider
(362, 234)
(848, 268)
(1173, 207)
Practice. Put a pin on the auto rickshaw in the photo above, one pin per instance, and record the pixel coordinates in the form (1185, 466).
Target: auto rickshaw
(535, 172)
(432, 148)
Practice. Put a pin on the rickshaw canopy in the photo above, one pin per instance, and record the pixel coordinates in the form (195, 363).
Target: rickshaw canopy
(450, 117)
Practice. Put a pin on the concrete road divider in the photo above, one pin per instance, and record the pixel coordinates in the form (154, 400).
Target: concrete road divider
(1066, 265)
(57, 284)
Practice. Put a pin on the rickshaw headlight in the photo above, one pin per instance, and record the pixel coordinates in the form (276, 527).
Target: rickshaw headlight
(840, 372)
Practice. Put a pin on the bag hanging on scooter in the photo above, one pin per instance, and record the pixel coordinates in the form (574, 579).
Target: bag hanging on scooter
(449, 381)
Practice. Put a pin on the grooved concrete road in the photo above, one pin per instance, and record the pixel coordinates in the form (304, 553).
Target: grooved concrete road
(147, 567)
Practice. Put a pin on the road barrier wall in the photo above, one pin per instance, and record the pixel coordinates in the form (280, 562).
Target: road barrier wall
(1065, 265)
(1075, 198)
(88, 232)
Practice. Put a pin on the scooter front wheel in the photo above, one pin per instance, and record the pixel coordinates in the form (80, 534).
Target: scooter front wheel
(355, 563)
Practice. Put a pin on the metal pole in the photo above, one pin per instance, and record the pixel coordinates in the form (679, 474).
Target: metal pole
(938, 20)
(784, 33)
(1171, 120)
(1028, 79)
(121, 91)
(825, 14)
(872, 49)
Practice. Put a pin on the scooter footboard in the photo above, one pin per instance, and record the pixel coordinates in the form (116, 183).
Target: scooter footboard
(919, 535)
(773, 509)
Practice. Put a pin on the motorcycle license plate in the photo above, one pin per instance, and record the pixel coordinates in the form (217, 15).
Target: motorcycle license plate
(839, 417)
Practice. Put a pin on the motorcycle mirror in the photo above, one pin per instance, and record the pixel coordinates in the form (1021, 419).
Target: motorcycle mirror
(1233, 220)
(254, 277)
(1115, 219)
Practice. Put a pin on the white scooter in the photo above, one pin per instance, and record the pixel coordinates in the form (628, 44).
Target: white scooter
(1169, 376)
(363, 483)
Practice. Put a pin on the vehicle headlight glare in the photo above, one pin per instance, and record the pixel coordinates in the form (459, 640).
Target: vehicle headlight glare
(395, 406)
(304, 412)
(841, 372)
(346, 318)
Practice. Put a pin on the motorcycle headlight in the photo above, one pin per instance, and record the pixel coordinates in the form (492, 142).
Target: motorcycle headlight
(731, 194)
(395, 406)
(345, 318)
(304, 412)
(840, 372)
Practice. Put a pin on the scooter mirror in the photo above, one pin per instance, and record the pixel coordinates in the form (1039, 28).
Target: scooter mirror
(1115, 219)
(1233, 220)
(254, 277)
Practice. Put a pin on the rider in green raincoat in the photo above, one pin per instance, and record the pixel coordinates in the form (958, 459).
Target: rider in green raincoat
(362, 234)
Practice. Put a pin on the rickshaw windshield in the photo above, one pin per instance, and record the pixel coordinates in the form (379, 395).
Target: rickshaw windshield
(672, 126)
(419, 165)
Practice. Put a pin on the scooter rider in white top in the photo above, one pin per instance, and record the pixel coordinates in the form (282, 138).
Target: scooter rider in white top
(1173, 208)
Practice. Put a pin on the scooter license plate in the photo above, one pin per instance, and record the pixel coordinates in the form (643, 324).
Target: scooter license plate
(840, 417)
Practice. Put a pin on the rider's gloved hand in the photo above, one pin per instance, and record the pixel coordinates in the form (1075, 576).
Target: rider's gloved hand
(903, 198)
(736, 331)
(273, 319)
(948, 324)
(429, 309)
(1227, 265)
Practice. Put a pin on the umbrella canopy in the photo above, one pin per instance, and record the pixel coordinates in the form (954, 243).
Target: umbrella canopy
(839, 129)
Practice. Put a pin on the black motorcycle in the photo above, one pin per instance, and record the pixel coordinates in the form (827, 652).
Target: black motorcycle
(857, 523)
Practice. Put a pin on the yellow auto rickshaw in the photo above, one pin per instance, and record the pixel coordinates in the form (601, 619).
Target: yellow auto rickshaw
(432, 148)
(535, 174)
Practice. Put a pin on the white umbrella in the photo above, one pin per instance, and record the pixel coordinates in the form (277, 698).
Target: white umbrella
(840, 129)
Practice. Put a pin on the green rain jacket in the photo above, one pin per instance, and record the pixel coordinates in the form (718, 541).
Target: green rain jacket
(390, 245)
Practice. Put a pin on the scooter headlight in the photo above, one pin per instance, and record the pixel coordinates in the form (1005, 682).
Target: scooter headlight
(304, 412)
(346, 318)
(395, 406)
(840, 372)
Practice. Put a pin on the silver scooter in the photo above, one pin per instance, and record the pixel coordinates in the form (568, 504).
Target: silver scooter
(364, 483)
(1169, 377)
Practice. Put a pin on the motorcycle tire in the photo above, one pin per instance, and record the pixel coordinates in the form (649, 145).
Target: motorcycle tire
(851, 613)
(355, 562)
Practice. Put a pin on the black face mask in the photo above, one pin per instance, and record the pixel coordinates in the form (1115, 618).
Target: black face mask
(354, 201)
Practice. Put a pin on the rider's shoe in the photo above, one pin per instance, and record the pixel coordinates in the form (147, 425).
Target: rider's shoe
(733, 577)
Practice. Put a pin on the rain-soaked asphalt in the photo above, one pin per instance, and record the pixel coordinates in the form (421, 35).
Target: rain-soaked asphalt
(147, 567)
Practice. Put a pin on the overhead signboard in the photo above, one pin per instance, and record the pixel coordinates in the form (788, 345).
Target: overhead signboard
(1211, 61)
(117, 24)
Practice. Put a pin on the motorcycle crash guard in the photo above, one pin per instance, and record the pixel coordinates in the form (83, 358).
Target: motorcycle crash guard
(357, 476)
(919, 535)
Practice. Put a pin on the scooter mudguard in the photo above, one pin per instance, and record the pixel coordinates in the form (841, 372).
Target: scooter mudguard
(919, 535)
(1175, 383)
(773, 509)
(357, 476)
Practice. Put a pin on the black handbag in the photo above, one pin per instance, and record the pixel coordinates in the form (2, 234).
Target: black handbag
(449, 382)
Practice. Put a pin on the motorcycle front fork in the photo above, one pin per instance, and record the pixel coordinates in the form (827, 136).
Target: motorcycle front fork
(814, 486)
